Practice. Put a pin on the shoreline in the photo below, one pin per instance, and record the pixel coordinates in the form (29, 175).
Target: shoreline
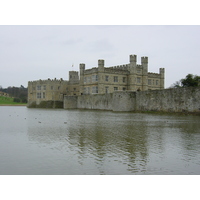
(13, 104)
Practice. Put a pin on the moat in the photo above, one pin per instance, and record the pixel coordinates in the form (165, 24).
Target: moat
(57, 141)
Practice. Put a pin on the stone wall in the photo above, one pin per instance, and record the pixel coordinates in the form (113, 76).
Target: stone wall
(96, 102)
(168, 100)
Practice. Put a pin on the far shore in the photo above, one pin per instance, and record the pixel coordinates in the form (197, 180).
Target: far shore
(13, 104)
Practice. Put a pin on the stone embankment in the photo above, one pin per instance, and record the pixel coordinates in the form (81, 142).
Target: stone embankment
(168, 100)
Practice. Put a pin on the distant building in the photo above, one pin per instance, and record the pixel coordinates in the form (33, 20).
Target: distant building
(4, 94)
(98, 80)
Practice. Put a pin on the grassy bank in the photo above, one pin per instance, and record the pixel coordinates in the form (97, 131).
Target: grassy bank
(9, 101)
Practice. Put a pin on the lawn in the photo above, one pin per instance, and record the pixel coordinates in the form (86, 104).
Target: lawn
(9, 101)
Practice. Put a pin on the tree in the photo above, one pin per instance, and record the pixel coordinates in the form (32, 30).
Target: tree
(189, 81)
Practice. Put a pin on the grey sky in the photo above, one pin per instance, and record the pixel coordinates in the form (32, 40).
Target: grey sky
(40, 52)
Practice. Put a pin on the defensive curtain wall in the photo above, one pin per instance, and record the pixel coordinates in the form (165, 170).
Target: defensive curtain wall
(168, 100)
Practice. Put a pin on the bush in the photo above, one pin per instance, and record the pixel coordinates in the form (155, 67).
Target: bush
(17, 100)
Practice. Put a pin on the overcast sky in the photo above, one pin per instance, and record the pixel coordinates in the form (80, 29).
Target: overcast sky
(40, 52)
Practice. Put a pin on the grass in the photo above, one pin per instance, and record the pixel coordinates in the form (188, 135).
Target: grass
(9, 101)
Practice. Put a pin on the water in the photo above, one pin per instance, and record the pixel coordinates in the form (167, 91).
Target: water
(47, 141)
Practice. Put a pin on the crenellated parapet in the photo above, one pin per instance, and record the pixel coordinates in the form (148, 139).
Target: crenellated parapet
(119, 67)
(48, 81)
(153, 75)
(89, 71)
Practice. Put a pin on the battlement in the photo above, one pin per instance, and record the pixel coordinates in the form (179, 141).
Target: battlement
(100, 63)
(119, 67)
(133, 58)
(82, 66)
(153, 75)
(90, 71)
(73, 72)
(48, 81)
(144, 59)
(162, 70)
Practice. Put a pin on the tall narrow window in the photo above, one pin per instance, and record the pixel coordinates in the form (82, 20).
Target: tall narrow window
(94, 78)
(94, 90)
(107, 89)
(38, 95)
(115, 78)
(106, 78)
(138, 79)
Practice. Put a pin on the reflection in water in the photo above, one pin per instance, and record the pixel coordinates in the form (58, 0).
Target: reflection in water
(96, 142)
(116, 142)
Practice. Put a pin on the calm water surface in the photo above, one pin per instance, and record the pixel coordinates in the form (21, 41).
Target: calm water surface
(47, 141)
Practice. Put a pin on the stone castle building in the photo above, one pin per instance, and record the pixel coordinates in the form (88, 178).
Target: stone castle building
(97, 80)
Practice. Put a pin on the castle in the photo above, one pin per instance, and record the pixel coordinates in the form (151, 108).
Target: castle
(97, 80)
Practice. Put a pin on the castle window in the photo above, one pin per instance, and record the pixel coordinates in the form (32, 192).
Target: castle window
(43, 95)
(88, 90)
(106, 89)
(124, 88)
(94, 90)
(51, 87)
(84, 79)
(124, 79)
(156, 82)
(94, 78)
(38, 95)
(44, 87)
(115, 78)
(39, 87)
(74, 89)
(85, 90)
(106, 78)
(138, 71)
(58, 87)
(138, 79)
(115, 88)
(149, 81)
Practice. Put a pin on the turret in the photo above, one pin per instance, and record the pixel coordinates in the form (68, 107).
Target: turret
(133, 63)
(100, 65)
(133, 59)
(144, 62)
(82, 68)
(132, 69)
(162, 78)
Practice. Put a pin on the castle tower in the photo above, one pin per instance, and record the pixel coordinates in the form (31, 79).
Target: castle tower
(144, 62)
(73, 77)
(162, 78)
(82, 69)
(101, 76)
(132, 76)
